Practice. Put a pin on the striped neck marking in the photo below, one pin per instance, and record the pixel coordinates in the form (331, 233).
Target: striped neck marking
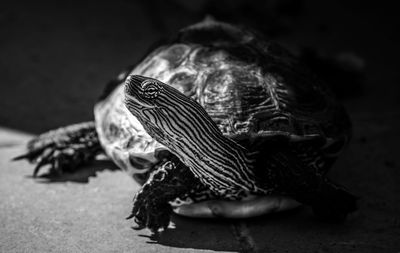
(182, 125)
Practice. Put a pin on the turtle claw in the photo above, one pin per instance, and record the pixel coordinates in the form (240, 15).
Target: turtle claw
(38, 166)
(21, 157)
(139, 225)
(59, 160)
(151, 208)
(32, 154)
(40, 157)
(148, 212)
(64, 149)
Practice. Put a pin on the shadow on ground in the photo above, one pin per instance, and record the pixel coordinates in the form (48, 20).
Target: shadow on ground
(274, 231)
(191, 233)
(82, 175)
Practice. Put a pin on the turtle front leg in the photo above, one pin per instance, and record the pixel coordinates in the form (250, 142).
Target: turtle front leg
(151, 207)
(64, 149)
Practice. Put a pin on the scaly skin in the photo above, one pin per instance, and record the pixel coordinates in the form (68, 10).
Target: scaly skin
(151, 206)
(64, 149)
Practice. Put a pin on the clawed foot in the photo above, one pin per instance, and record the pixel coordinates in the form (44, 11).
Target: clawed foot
(63, 149)
(151, 206)
(60, 159)
(150, 213)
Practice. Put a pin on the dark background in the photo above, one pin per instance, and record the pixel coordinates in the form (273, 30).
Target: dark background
(55, 58)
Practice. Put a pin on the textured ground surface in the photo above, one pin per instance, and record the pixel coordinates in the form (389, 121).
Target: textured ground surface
(53, 63)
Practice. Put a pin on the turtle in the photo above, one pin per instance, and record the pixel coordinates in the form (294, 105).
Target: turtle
(219, 121)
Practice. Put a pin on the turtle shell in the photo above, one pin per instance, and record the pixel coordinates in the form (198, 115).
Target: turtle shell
(252, 88)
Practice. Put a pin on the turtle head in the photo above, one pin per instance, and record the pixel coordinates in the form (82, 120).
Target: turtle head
(142, 92)
(149, 101)
(160, 108)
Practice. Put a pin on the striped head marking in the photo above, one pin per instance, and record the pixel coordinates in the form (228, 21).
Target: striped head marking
(142, 91)
(182, 125)
(156, 105)
(149, 100)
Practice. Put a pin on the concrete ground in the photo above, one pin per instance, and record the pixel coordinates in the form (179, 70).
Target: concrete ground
(54, 60)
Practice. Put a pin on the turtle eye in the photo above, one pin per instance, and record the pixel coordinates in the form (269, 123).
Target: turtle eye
(150, 89)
